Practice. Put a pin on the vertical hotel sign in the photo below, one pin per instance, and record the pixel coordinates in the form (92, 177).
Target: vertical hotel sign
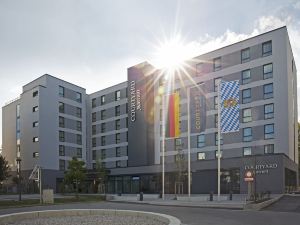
(135, 100)
(197, 110)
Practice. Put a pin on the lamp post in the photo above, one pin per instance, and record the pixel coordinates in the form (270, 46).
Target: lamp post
(19, 177)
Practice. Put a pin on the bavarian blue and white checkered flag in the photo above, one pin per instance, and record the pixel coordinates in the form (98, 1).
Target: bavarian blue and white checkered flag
(230, 108)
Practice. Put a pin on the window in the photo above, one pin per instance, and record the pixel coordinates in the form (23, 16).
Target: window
(268, 71)
(216, 153)
(269, 131)
(78, 112)
(268, 91)
(118, 139)
(18, 124)
(103, 140)
(35, 139)
(94, 117)
(247, 134)
(216, 104)
(126, 107)
(178, 144)
(94, 129)
(216, 120)
(94, 142)
(200, 155)
(217, 64)
(269, 149)
(35, 155)
(61, 91)
(126, 122)
(267, 48)
(117, 110)
(61, 150)
(103, 154)
(94, 156)
(35, 93)
(61, 107)
(269, 111)
(102, 99)
(78, 125)
(103, 114)
(216, 82)
(216, 139)
(93, 103)
(247, 151)
(78, 139)
(62, 165)
(78, 97)
(61, 136)
(245, 55)
(200, 141)
(200, 68)
(118, 122)
(35, 124)
(247, 115)
(118, 163)
(18, 110)
(118, 152)
(117, 95)
(103, 127)
(246, 95)
(35, 109)
(61, 121)
(246, 76)
(79, 152)
(94, 166)
(103, 164)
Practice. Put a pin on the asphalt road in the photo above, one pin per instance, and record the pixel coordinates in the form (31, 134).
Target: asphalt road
(286, 204)
(187, 215)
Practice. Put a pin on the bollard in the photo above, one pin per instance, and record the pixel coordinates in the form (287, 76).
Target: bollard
(211, 196)
(160, 194)
(119, 194)
(141, 196)
(230, 196)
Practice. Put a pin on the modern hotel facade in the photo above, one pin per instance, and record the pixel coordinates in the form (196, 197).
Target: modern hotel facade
(122, 125)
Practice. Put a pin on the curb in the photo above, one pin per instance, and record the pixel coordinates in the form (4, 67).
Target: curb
(262, 205)
(15, 217)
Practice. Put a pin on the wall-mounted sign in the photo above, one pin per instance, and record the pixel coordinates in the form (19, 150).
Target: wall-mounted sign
(135, 100)
(261, 168)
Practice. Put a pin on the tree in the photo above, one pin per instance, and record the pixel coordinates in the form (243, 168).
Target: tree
(4, 169)
(101, 176)
(76, 173)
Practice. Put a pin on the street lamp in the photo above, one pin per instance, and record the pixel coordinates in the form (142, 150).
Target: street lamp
(19, 177)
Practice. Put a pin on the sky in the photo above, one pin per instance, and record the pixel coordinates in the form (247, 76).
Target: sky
(91, 43)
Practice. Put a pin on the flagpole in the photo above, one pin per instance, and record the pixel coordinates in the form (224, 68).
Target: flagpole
(189, 141)
(163, 143)
(219, 141)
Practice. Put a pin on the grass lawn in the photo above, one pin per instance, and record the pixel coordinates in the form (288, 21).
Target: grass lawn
(34, 202)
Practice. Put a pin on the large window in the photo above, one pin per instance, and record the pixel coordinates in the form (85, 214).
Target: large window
(267, 48)
(102, 99)
(94, 142)
(94, 129)
(200, 141)
(94, 117)
(247, 151)
(78, 112)
(246, 95)
(245, 55)
(93, 102)
(78, 139)
(247, 134)
(269, 149)
(103, 127)
(117, 110)
(247, 115)
(61, 150)
(61, 107)
(200, 155)
(118, 124)
(62, 165)
(118, 152)
(216, 139)
(94, 155)
(269, 111)
(103, 153)
(78, 97)
(216, 120)
(268, 91)
(178, 144)
(79, 152)
(117, 95)
(118, 138)
(246, 76)
(61, 121)
(216, 83)
(103, 114)
(216, 104)
(217, 64)
(61, 136)
(61, 91)
(103, 141)
(78, 125)
(269, 131)
(268, 71)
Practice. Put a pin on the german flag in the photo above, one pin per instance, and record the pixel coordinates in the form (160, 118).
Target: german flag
(172, 125)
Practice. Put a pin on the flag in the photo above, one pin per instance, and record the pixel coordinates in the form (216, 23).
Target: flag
(197, 110)
(172, 125)
(229, 95)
